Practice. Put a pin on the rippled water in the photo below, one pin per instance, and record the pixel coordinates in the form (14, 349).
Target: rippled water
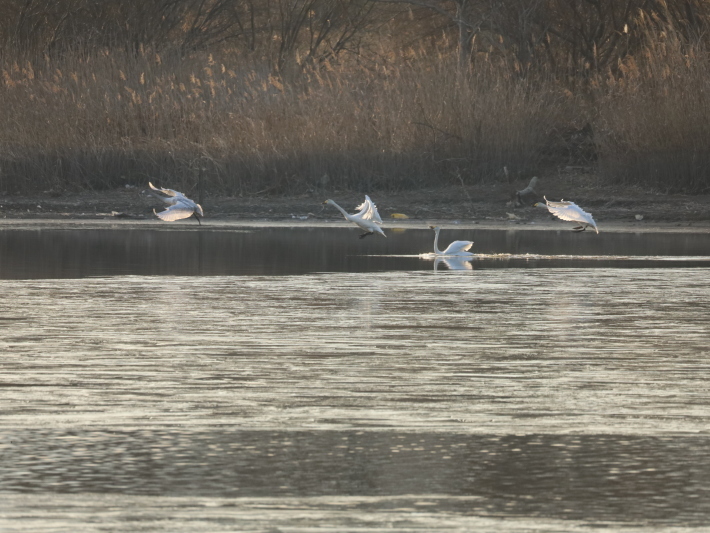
(537, 397)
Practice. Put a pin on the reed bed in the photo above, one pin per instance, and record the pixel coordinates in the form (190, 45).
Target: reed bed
(653, 122)
(110, 118)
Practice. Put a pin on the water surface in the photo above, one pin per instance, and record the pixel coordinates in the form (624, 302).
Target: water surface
(393, 396)
(202, 251)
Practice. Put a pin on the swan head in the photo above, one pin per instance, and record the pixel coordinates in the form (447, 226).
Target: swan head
(435, 228)
(329, 202)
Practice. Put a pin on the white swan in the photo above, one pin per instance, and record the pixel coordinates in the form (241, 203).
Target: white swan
(367, 218)
(571, 212)
(180, 205)
(456, 248)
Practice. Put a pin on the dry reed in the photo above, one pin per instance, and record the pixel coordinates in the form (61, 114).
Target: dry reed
(653, 126)
(111, 118)
(105, 119)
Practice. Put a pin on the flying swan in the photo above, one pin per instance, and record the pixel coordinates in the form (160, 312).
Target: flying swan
(180, 205)
(571, 212)
(367, 218)
(456, 248)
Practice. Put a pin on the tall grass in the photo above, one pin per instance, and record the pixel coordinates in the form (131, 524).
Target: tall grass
(79, 120)
(113, 118)
(653, 126)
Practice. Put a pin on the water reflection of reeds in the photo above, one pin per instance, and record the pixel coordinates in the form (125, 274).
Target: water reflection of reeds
(28, 254)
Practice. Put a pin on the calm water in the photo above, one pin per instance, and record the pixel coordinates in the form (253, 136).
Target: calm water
(306, 380)
(196, 251)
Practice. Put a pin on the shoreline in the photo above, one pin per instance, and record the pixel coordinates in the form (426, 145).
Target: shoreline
(108, 222)
(482, 206)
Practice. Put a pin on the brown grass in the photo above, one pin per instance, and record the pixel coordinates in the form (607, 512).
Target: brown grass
(653, 126)
(110, 118)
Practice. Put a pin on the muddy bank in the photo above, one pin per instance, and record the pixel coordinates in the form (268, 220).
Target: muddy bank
(614, 208)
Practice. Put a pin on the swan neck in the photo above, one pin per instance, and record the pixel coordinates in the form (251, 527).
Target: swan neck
(436, 241)
(343, 211)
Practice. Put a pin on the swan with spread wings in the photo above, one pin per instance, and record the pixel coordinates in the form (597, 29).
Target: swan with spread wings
(366, 218)
(571, 212)
(180, 206)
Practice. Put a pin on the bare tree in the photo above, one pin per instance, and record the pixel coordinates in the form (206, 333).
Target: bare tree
(317, 29)
(467, 16)
(41, 25)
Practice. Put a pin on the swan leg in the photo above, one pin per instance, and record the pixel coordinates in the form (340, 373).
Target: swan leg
(579, 228)
(363, 235)
(197, 218)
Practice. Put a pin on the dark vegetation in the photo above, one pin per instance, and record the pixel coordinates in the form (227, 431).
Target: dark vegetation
(248, 97)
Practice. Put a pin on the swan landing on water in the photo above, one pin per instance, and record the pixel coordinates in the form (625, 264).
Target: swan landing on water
(456, 248)
(180, 205)
(571, 212)
(367, 218)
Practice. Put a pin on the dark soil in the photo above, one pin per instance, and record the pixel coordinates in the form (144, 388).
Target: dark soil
(486, 203)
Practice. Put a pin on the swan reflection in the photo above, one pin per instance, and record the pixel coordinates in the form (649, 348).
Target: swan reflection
(454, 263)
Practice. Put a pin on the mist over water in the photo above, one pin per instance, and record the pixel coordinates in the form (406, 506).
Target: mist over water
(265, 385)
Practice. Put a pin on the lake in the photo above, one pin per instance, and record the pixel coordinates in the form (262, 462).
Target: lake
(301, 379)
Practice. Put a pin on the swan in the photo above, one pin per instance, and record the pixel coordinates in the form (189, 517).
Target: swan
(180, 205)
(456, 248)
(571, 212)
(367, 218)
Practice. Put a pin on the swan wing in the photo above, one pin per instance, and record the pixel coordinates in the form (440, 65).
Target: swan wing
(558, 204)
(368, 211)
(363, 208)
(571, 212)
(373, 211)
(167, 192)
(458, 246)
(176, 212)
